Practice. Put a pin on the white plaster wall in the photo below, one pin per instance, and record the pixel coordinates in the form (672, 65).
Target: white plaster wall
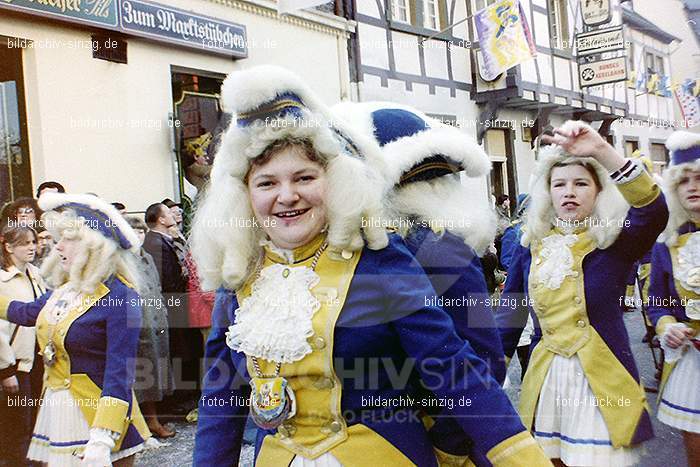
(102, 127)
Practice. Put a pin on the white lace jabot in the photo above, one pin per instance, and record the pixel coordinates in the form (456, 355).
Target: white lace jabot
(274, 322)
(557, 260)
(687, 271)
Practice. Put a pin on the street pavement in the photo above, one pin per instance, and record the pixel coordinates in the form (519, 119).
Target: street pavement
(666, 449)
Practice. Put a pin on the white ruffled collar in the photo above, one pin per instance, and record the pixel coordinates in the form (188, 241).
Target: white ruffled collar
(687, 271)
(275, 321)
(556, 259)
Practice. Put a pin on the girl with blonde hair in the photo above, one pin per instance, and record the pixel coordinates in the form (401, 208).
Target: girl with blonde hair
(87, 330)
(674, 293)
(592, 214)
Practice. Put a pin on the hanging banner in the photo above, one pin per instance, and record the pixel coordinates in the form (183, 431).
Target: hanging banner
(689, 103)
(595, 12)
(505, 39)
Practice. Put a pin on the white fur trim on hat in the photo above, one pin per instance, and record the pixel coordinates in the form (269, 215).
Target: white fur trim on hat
(680, 140)
(50, 201)
(401, 155)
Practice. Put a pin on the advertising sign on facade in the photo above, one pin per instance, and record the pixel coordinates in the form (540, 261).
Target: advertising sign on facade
(603, 71)
(595, 12)
(599, 41)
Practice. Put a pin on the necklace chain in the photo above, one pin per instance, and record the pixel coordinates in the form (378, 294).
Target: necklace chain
(278, 365)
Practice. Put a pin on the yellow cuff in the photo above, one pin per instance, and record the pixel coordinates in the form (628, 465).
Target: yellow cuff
(111, 414)
(518, 450)
(641, 191)
(4, 305)
(663, 323)
(451, 460)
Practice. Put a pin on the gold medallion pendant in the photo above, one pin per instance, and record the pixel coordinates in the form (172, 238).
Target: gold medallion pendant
(271, 401)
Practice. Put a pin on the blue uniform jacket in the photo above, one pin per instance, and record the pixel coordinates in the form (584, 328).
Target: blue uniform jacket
(383, 334)
(455, 272)
(664, 299)
(509, 242)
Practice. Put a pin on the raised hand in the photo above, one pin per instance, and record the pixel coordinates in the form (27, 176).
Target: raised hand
(581, 140)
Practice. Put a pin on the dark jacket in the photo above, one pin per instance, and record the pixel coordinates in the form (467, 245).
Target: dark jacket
(172, 279)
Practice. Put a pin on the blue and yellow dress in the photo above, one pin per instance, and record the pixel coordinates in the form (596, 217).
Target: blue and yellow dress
(581, 395)
(89, 385)
(674, 300)
(355, 388)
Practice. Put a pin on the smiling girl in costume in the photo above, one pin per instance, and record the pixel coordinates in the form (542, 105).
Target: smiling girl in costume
(310, 326)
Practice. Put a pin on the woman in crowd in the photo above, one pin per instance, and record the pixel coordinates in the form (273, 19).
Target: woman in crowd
(280, 226)
(23, 211)
(674, 293)
(19, 280)
(581, 394)
(154, 375)
(87, 329)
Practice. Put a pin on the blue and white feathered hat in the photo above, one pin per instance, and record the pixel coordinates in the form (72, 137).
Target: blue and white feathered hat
(269, 103)
(684, 147)
(96, 214)
(418, 153)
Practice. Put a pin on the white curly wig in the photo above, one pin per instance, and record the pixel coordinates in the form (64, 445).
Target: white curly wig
(443, 202)
(225, 238)
(97, 258)
(608, 214)
(672, 176)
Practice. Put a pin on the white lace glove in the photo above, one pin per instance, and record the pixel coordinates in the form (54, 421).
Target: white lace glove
(670, 354)
(98, 449)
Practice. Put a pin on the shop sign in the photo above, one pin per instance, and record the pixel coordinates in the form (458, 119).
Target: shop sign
(177, 26)
(95, 12)
(595, 12)
(599, 41)
(603, 71)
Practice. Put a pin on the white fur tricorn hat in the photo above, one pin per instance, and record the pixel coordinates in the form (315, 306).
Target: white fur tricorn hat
(97, 214)
(419, 152)
(270, 103)
(415, 147)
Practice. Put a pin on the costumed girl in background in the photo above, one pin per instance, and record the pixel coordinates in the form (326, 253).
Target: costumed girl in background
(19, 280)
(581, 394)
(317, 320)
(88, 330)
(444, 227)
(674, 293)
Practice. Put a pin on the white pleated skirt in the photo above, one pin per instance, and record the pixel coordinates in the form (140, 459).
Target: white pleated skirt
(324, 460)
(680, 402)
(568, 423)
(61, 432)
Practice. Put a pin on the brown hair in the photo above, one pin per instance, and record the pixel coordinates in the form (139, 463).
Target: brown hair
(13, 235)
(585, 164)
(302, 145)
